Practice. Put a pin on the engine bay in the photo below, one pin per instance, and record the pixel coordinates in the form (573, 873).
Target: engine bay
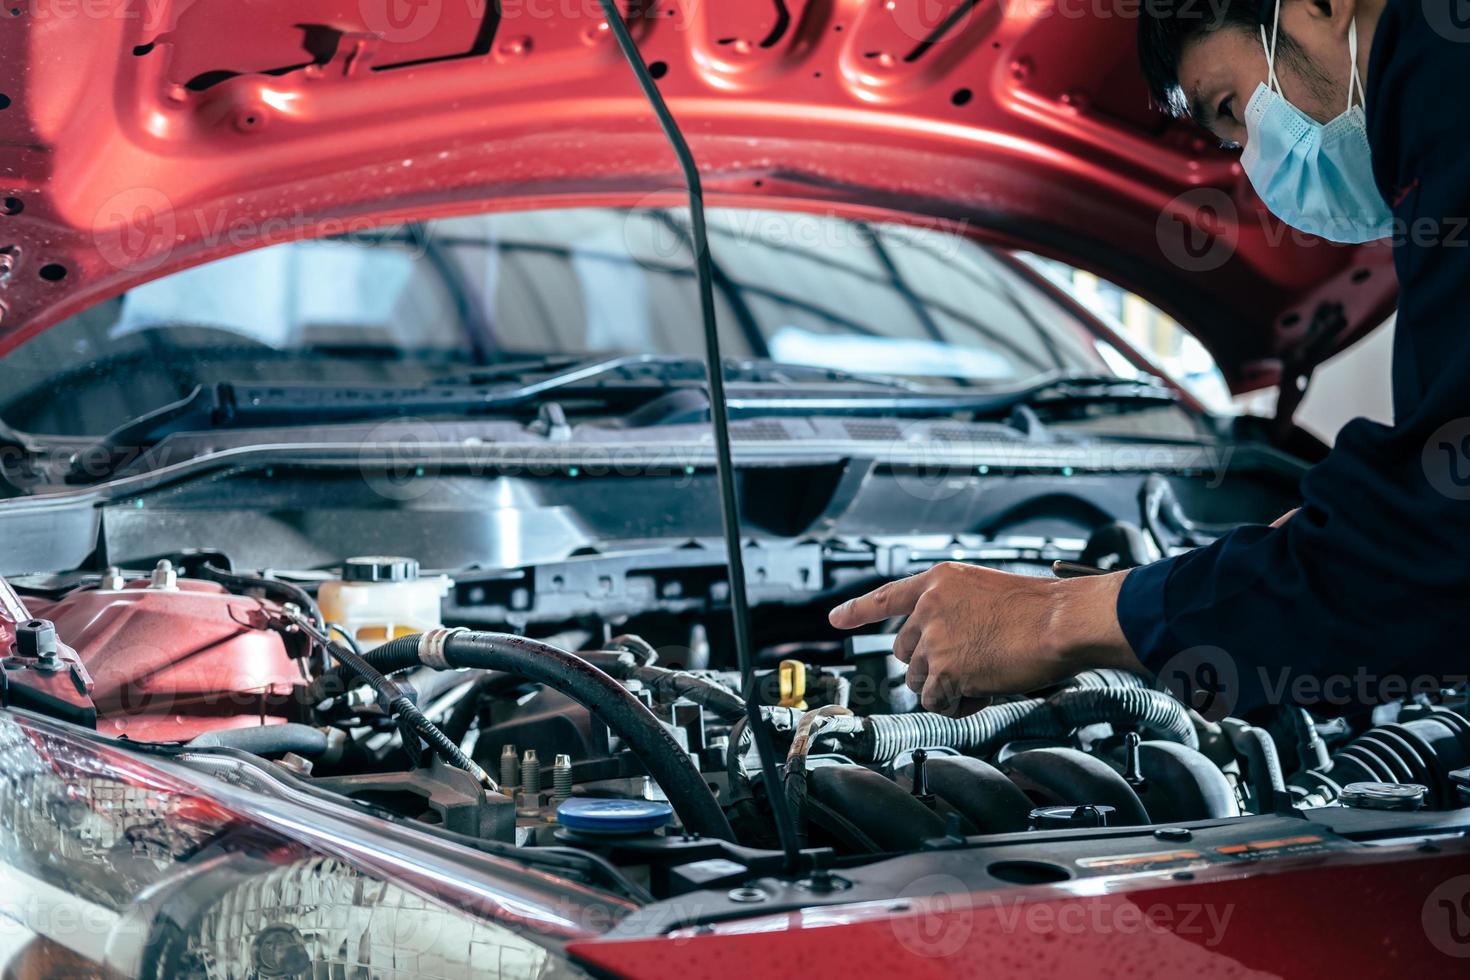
(626, 738)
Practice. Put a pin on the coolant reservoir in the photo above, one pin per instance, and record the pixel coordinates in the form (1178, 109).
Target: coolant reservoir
(379, 598)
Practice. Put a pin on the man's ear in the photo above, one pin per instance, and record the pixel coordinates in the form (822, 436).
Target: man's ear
(1336, 14)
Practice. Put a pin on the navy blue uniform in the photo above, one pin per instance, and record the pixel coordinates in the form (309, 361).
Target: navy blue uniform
(1372, 576)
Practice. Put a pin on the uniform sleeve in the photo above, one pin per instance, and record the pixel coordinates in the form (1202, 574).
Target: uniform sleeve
(1370, 580)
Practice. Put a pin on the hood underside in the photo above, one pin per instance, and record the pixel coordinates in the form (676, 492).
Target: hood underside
(138, 137)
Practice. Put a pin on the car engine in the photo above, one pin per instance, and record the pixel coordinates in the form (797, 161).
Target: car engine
(636, 745)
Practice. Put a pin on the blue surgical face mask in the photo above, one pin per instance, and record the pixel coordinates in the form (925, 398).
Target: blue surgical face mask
(1315, 177)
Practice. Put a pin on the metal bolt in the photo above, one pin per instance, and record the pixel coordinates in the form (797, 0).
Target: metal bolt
(164, 576)
(509, 769)
(530, 774)
(112, 579)
(561, 779)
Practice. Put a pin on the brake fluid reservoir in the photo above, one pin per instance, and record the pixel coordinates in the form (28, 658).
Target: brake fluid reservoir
(380, 598)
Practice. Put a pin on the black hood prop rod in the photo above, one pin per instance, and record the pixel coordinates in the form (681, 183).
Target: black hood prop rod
(720, 415)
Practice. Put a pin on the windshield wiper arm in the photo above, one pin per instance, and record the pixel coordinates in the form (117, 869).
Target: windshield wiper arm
(1063, 386)
(568, 370)
(228, 405)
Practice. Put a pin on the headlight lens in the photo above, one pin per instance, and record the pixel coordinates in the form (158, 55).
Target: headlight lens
(112, 866)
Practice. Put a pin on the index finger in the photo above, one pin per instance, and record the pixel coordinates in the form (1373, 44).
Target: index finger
(886, 601)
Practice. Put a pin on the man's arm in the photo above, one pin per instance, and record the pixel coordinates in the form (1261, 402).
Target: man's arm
(1361, 593)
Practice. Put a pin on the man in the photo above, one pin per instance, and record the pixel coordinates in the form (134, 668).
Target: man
(1354, 119)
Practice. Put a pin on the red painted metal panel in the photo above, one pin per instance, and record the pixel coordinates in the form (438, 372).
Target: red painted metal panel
(1387, 916)
(140, 138)
(170, 665)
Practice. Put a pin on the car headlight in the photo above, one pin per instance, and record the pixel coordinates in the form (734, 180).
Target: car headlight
(116, 864)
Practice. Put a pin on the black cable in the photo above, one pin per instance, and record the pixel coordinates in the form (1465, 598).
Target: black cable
(347, 638)
(274, 587)
(720, 414)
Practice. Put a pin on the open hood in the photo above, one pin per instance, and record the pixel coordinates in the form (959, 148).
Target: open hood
(137, 138)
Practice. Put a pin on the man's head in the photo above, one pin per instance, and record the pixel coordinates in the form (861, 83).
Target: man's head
(1206, 59)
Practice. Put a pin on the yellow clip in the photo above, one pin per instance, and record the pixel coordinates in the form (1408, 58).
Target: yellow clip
(792, 675)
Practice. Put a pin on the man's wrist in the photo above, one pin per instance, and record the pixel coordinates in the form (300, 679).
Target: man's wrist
(1084, 629)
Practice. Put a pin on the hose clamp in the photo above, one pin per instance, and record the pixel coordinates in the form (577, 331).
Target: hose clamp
(431, 646)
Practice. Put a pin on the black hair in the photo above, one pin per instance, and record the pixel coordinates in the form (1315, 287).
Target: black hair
(1165, 29)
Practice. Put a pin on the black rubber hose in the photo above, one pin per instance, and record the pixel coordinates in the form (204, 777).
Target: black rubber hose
(266, 740)
(1266, 778)
(594, 689)
(273, 587)
(885, 737)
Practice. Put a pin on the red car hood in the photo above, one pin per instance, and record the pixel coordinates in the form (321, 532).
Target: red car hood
(138, 137)
(1397, 913)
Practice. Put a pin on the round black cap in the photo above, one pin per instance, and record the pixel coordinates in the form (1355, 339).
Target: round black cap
(380, 568)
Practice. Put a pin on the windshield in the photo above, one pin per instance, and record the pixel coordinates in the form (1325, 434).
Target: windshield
(411, 303)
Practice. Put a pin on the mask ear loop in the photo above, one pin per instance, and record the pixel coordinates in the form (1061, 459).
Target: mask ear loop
(1271, 81)
(1354, 81)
